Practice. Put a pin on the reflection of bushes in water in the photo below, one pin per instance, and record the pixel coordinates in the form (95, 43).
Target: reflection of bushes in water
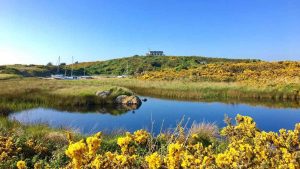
(220, 96)
(4, 111)
(7, 107)
(30, 99)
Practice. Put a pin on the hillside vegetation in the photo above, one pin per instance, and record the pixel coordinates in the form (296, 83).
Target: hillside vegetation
(134, 65)
(139, 64)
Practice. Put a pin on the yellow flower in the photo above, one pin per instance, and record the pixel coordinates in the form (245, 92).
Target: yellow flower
(194, 136)
(21, 165)
(97, 162)
(38, 165)
(153, 160)
(76, 152)
(173, 159)
(124, 142)
(93, 143)
(141, 136)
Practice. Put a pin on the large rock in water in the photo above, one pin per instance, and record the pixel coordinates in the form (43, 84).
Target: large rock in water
(128, 100)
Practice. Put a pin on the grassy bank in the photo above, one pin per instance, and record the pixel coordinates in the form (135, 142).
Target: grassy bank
(32, 92)
(228, 92)
(37, 144)
(241, 145)
(8, 76)
(202, 90)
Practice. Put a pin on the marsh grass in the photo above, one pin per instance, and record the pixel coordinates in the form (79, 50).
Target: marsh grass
(31, 92)
(205, 129)
(206, 90)
(8, 76)
(228, 92)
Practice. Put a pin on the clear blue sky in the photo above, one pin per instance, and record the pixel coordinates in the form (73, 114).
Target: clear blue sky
(38, 31)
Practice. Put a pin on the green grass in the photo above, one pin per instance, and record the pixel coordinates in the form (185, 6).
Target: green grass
(8, 76)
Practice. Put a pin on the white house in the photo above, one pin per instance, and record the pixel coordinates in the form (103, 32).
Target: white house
(155, 53)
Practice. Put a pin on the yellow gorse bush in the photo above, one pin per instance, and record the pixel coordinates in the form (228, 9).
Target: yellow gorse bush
(154, 160)
(248, 147)
(244, 146)
(83, 152)
(252, 72)
(175, 153)
(37, 147)
(141, 136)
(7, 148)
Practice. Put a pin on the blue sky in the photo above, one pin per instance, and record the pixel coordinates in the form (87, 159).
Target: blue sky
(38, 31)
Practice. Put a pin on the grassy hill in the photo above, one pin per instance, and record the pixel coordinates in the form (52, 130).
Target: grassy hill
(138, 64)
(134, 65)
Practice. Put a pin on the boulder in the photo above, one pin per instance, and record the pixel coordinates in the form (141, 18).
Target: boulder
(103, 94)
(128, 100)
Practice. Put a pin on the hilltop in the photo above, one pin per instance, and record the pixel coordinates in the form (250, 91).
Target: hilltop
(138, 64)
(134, 65)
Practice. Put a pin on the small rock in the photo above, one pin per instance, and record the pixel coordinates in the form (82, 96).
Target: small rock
(128, 100)
(103, 94)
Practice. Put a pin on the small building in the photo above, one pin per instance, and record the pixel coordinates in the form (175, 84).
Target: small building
(155, 53)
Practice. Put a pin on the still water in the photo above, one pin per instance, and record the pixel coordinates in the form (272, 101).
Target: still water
(164, 114)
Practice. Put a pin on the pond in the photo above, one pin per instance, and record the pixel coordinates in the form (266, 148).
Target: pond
(159, 114)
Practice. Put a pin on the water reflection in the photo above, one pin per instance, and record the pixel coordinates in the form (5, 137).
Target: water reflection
(117, 109)
(164, 113)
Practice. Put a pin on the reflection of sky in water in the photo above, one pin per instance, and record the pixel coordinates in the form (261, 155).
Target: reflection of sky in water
(166, 113)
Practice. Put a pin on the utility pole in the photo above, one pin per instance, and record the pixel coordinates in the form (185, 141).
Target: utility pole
(58, 64)
(127, 69)
(72, 68)
(84, 71)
